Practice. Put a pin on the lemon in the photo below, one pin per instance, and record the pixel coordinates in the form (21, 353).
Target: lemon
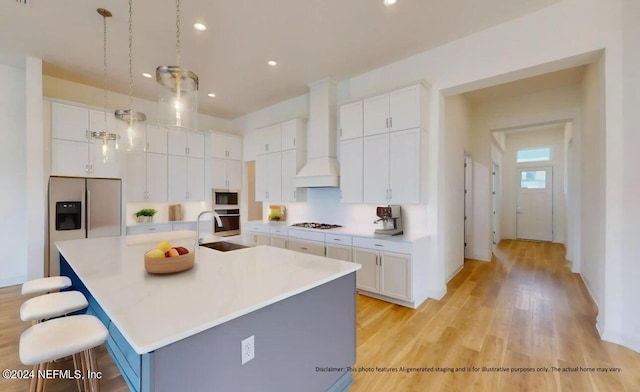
(164, 246)
(155, 254)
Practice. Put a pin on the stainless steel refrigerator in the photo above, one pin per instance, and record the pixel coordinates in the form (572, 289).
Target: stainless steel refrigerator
(81, 208)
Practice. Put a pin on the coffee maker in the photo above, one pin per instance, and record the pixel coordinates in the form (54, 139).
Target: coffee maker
(391, 219)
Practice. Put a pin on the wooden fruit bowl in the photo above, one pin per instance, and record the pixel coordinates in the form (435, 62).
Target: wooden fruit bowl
(169, 265)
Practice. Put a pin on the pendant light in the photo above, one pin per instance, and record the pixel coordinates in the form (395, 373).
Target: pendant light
(135, 132)
(104, 134)
(178, 99)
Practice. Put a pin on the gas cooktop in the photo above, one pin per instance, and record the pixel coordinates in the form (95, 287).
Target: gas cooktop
(314, 225)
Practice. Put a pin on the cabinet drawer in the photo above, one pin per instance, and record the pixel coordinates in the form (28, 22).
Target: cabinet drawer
(309, 247)
(257, 228)
(338, 239)
(383, 245)
(307, 235)
(149, 228)
(279, 230)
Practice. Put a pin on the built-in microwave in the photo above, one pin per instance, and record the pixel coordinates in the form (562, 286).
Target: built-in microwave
(227, 205)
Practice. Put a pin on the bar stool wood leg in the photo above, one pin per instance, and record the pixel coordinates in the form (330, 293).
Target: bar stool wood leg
(77, 365)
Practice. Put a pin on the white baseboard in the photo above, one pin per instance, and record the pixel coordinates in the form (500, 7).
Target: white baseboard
(12, 281)
(455, 273)
(437, 294)
(628, 341)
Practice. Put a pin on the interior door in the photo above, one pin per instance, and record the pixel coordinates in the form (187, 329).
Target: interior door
(534, 211)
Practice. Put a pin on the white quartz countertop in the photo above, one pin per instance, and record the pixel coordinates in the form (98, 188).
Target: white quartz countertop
(351, 231)
(152, 311)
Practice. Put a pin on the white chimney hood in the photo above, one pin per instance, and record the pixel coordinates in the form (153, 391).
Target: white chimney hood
(321, 169)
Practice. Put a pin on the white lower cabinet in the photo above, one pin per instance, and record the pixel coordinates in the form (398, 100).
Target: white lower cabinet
(279, 242)
(384, 273)
(339, 252)
(309, 247)
(255, 238)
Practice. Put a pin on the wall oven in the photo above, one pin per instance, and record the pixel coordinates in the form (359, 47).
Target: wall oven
(226, 203)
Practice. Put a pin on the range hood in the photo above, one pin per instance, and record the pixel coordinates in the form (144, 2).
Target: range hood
(321, 169)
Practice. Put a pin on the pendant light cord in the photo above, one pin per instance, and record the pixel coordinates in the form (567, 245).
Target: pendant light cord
(178, 33)
(104, 19)
(130, 59)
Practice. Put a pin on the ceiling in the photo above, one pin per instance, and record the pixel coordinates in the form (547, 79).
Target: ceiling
(310, 39)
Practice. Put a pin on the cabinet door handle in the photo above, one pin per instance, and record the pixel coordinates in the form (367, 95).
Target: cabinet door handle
(337, 239)
(294, 141)
(377, 260)
(303, 248)
(151, 228)
(86, 168)
(146, 148)
(294, 195)
(390, 194)
(390, 122)
(340, 132)
(266, 147)
(378, 245)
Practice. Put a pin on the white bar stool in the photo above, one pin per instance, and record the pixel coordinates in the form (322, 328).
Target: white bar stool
(49, 306)
(52, 305)
(45, 285)
(58, 338)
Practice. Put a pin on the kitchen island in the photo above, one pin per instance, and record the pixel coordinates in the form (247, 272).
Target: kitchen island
(184, 331)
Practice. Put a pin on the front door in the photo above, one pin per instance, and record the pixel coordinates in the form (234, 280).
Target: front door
(534, 211)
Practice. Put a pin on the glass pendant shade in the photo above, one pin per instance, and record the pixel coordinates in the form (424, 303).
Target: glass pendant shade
(178, 97)
(134, 134)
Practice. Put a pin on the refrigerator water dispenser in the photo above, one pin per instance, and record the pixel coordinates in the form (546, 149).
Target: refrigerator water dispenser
(68, 215)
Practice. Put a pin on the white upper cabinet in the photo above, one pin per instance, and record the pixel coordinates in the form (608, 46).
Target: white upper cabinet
(218, 145)
(405, 108)
(376, 115)
(69, 122)
(269, 177)
(351, 118)
(351, 170)
(177, 178)
(404, 166)
(146, 177)
(156, 139)
(389, 161)
(69, 158)
(376, 169)
(234, 148)
(226, 146)
(177, 142)
(195, 179)
(73, 151)
(269, 139)
(291, 135)
(195, 144)
(226, 173)
(183, 143)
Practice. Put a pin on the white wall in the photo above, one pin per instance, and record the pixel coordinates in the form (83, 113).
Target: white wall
(13, 176)
(457, 140)
(93, 96)
(553, 138)
(629, 274)
(593, 187)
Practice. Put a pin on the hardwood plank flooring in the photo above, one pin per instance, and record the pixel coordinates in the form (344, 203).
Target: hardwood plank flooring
(523, 309)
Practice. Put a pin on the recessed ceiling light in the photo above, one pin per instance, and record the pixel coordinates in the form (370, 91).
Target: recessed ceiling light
(147, 75)
(272, 63)
(199, 26)
(389, 2)
(212, 95)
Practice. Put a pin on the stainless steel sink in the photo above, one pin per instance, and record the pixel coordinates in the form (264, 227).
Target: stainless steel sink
(223, 246)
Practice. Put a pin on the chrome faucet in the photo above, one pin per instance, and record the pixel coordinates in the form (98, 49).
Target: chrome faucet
(218, 221)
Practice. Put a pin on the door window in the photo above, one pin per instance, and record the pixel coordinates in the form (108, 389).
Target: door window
(533, 179)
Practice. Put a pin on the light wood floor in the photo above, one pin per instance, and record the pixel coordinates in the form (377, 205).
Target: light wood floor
(525, 309)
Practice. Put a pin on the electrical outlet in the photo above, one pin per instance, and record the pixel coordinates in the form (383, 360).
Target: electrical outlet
(248, 348)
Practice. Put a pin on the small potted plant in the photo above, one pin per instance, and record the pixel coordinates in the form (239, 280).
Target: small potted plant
(145, 215)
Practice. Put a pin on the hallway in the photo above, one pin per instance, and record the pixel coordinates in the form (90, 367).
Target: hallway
(523, 309)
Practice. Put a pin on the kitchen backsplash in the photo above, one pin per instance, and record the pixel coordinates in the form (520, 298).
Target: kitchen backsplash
(190, 210)
(323, 205)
